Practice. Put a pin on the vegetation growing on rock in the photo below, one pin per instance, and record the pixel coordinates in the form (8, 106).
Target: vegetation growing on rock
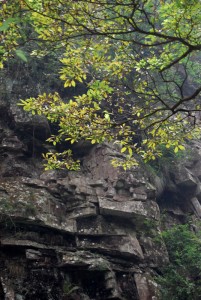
(182, 277)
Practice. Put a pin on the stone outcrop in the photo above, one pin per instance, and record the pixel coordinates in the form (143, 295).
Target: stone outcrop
(79, 231)
(179, 185)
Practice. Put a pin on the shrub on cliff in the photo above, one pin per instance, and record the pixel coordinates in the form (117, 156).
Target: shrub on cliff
(181, 279)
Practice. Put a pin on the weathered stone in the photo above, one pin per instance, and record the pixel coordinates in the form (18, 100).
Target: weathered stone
(84, 259)
(147, 288)
(129, 209)
(84, 189)
(120, 198)
(99, 191)
(123, 193)
(9, 293)
(184, 178)
(111, 192)
(97, 183)
(22, 243)
(26, 202)
(175, 210)
(196, 206)
(142, 287)
(32, 254)
(198, 192)
(92, 199)
(116, 245)
(83, 211)
(77, 181)
(111, 284)
(98, 225)
(120, 184)
(197, 169)
(33, 182)
(150, 191)
(155, 252)
(12, 143)
(140, 197)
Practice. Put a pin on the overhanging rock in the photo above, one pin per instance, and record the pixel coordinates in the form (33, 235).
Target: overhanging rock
(129, 209)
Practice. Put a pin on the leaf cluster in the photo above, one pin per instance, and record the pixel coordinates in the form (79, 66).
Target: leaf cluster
(134, 58)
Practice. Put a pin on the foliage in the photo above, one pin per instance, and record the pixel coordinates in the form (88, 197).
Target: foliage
(136, 59)
(181, 279)
(168, 159)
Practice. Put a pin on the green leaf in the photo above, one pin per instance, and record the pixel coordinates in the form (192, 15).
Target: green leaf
(181, 147)
(73, 83)
(123, 149)
(21, 55)
(6, 23)
(130, 151)
(176, 149)
(107, 117)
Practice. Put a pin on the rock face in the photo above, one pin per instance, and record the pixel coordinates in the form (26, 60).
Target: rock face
(92, 234)
(78, 235)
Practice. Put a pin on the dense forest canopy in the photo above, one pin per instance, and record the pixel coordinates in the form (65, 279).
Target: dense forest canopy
(138, 62)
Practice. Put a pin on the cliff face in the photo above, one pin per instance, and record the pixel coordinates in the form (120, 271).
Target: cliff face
(92, 234)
